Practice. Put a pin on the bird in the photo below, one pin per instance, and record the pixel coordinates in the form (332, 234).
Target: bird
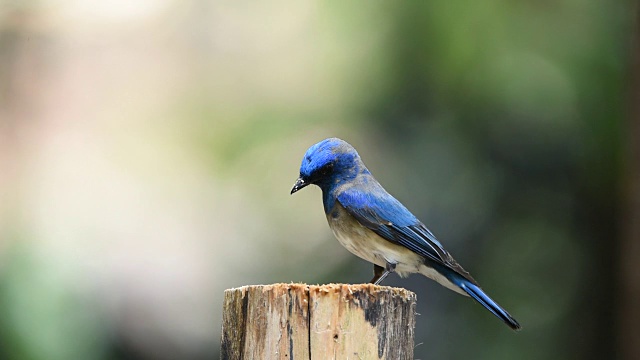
(373, 225)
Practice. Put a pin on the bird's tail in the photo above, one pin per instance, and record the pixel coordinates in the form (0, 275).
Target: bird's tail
(478, 295)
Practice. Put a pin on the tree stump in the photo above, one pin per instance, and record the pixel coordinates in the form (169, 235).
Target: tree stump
(335, 321)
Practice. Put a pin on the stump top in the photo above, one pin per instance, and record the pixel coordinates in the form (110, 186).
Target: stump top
(344, 289)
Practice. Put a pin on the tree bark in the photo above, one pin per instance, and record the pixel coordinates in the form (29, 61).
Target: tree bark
(336, 321)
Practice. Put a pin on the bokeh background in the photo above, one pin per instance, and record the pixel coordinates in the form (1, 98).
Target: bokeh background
(147, 150)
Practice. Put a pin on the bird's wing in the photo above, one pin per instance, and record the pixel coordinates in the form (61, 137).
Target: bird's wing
(387, 217)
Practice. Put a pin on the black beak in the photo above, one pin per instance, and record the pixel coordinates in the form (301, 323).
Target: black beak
(300, 183)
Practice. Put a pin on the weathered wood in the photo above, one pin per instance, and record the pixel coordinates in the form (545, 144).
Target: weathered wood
(335, 321)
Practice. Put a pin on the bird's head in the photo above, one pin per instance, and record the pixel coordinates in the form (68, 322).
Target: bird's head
(327, 162)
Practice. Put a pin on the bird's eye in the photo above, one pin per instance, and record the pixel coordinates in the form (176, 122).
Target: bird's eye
(327, 169)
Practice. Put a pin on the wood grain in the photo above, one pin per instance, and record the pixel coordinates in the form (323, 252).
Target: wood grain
(335, 321)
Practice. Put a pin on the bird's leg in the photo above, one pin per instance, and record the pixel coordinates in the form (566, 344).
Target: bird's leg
(377, 273)
(388, 269)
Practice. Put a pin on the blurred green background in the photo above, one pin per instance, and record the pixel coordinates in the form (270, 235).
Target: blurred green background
(147, 150)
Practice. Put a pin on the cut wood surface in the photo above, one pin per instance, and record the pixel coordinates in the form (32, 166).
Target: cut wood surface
(334, 321)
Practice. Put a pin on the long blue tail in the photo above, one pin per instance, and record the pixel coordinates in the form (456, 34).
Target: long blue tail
(478, 295)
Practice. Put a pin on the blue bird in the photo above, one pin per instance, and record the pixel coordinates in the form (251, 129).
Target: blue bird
(376, 227)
